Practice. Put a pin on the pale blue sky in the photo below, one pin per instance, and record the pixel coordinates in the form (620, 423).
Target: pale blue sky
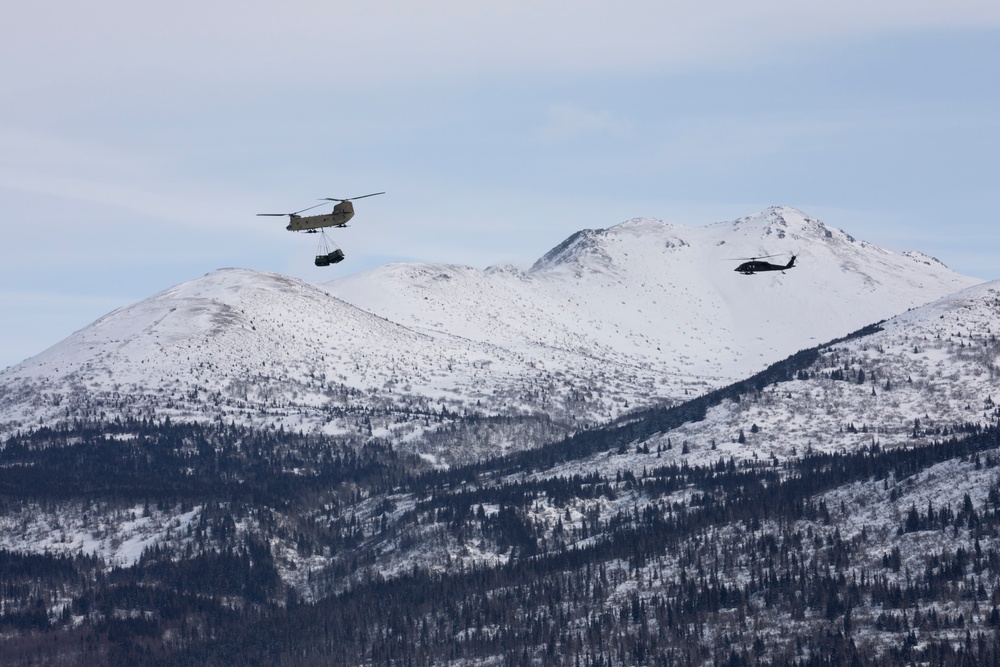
(137, 144)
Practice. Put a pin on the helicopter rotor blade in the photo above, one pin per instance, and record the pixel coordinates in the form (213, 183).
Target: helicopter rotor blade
(307, 209)
(750, 259)
(352, 198)
(293, 213)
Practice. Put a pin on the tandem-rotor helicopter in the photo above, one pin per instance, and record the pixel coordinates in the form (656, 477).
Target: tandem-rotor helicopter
(753, 265)
(343, 211)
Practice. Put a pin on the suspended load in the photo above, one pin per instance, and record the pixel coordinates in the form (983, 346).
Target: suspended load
(328, 253)
(343, 211)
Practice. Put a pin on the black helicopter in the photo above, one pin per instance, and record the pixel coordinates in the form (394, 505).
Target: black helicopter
(755, 265)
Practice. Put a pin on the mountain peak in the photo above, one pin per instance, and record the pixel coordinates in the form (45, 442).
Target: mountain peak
(786, 229)
(651, 225)
(603, 249)
(785, 217)
(577, 245)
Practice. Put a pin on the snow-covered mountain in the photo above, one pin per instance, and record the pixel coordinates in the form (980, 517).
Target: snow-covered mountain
(927, 372)
(923, 375)
(642, 313)
(664, 296)
(661, 512)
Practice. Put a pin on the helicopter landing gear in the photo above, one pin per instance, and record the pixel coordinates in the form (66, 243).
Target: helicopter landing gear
(328, 253)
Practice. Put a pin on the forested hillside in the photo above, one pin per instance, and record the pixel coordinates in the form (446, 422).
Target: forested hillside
(160, 543)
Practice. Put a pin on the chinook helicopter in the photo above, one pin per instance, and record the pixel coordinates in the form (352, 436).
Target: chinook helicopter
(754, 265)
(343, 211)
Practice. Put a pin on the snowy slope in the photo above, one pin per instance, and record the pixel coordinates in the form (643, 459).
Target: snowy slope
(610, 320)
(665, 296)
(238, 343)
(939, 364)
(928, 372)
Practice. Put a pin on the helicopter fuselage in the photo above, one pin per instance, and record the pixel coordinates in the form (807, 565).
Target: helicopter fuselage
(756, 266)
(342, 212)
(306, 223)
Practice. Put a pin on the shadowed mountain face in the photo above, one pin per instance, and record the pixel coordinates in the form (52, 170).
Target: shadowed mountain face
(639, 314)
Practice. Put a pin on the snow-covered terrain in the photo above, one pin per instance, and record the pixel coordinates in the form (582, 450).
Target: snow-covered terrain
(927, 371)
(926, 374)
(665, 296)
(610, 320)
(116, 535)
(601, 320)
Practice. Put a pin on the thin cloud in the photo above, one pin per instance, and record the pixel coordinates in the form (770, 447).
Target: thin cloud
(119, 43)
(565, 122)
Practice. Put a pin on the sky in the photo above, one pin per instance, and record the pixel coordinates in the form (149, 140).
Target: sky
(138, 142)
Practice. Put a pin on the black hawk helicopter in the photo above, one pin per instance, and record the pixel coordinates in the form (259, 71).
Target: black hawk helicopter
(754, 265)
(343, 211)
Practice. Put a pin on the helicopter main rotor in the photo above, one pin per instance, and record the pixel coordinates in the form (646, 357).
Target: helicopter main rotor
(352, 198)
(290, 214)
(751, 259)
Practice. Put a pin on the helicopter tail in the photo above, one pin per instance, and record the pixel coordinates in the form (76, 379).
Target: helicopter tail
(791, 263)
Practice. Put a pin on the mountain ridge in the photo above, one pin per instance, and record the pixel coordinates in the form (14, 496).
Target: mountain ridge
(642, 313)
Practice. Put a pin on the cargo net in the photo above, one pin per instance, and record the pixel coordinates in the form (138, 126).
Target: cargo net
(327, 253)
